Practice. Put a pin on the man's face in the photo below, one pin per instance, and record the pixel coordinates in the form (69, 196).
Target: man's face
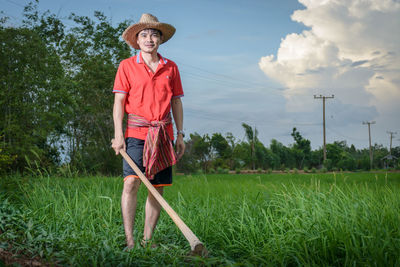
(149, 40)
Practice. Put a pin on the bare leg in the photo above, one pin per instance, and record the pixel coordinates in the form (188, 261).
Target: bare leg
(128, 207)
(153, 209)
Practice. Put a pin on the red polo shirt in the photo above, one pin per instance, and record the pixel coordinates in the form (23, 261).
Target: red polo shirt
(148, 94)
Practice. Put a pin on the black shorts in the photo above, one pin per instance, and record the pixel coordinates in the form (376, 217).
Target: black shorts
(134, 148)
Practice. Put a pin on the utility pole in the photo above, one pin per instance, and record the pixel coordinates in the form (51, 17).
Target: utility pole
(391, 137)
(370, 147)
(253, 151)
(323, 114)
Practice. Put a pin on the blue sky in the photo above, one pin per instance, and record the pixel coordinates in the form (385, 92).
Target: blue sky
(261, 62)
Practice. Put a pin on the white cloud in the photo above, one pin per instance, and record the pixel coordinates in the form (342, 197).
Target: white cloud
(352, 50)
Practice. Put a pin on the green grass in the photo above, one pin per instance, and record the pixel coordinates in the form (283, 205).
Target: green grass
(332, 219)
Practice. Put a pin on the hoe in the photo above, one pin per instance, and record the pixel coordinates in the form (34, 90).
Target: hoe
(197, 248)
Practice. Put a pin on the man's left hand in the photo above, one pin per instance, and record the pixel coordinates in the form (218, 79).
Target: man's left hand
(180, 146)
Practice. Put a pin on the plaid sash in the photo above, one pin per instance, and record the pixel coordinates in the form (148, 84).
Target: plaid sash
(158, 151)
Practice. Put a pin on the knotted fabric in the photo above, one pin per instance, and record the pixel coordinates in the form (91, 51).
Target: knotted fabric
(158, 151)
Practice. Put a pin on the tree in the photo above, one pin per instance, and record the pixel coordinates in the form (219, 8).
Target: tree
(301, 149)
(346, 162)
(33, 97)
(64, 79)
(202, 150)
(232, 144)
(281, 155)
(91, 52)
(252, 138)
(263, 156)
(220, 146)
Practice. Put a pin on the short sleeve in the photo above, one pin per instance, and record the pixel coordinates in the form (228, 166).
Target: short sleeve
(121, 82)
(177, 90)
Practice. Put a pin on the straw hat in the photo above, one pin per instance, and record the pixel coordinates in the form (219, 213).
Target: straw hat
(147, 21)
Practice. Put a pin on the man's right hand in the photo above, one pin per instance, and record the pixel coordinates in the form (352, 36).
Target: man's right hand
(117, 144)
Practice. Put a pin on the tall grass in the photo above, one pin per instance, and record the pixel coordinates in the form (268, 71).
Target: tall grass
(264, 219)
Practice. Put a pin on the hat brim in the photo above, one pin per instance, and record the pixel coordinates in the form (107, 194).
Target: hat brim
(130, 34)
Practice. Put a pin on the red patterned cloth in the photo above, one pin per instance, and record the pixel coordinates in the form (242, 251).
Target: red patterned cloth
(158, 152)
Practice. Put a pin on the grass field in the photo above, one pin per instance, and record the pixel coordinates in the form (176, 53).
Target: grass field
(332, 219)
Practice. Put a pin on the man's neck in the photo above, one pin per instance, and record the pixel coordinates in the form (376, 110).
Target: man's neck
(150, 57)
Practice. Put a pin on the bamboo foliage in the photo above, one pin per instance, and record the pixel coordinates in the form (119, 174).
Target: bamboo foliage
(56, 95)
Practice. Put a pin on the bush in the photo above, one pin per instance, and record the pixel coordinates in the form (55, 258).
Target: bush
(211, 170)
(295, 170)
(238, 170)
(347, 163)
(259, 170)
(222, 170)
(305, 169)
(313, 170)
(283, 168)
(199, 171)
(328, 164)
(6, 160)
(324, 170)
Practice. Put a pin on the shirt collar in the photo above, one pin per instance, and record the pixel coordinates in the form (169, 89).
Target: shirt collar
(139, 59)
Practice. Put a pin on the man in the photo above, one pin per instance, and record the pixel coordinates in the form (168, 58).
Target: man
(147, 86)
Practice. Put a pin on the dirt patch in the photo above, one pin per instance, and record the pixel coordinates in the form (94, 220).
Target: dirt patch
(8, 258)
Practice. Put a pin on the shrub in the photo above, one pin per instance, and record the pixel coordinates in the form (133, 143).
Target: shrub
(305, 169)
(6, 159)
(238, 170)
(328, 164)
(199, 171)
(313, 170)
(222, 170)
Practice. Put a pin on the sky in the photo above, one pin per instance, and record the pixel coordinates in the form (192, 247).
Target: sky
(262, 62)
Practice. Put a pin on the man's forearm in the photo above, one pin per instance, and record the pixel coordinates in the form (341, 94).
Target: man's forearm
(118, 141)
(177, 112)
(118, 116)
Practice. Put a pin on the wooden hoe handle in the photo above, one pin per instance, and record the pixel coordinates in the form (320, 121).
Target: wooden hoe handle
(195, 244)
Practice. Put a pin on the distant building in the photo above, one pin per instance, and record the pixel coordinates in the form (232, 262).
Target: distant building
(389, 161)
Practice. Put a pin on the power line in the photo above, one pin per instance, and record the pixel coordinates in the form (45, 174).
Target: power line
(231, 79)
(216, 117)
(211, 79)
(345, 136)
(8, 15)
(246, 83)
(225, 83)
(17, 4)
